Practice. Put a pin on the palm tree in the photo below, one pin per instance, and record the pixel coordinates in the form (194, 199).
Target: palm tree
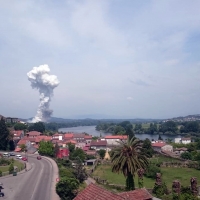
(128, 158)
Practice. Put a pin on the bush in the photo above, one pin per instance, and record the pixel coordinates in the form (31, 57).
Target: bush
(4, 162)
(151, 171)
(11, 168)
(63, 172)
(1, 174)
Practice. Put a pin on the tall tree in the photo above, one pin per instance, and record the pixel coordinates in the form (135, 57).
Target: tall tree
(128, 158)
(4, 135)
(67, 188)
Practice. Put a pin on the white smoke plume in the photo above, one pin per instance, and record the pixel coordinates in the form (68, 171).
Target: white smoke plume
(45, 83)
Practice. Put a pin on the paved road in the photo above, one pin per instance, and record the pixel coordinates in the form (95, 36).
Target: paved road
(31, 185)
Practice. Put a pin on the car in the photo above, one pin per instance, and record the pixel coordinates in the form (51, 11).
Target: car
(24, 159)
(18, 156)
(12, 154)
(39, 157)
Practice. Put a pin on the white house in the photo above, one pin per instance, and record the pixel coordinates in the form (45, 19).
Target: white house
(177, 140)
(186, 140)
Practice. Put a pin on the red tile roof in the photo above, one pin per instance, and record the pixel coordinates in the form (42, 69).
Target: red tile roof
(18, 149)
(33, 133)
(158, 144)
(22, 141)
(68, 135)
(17, 133)
(121, 137)
(43, 137)
(98, 143)
(138, 194)
(85, 148)
(88, 136)
(94, 192)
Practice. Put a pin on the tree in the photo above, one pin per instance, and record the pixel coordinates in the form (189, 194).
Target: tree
(186, 155)
(169, 126)
(128, 127)
(20, 126)
(67, 188)
(23, 147)
(4, 135)
(71, 147)
(38, 126)
(79, 170)
(77, 153)
(46, 148)
(102, 153)
(128, 158)
(147, 147)
(56, 149)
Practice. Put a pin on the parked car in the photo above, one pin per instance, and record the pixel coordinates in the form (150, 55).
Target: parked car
(12, 154)
(39, 157)
(18, 156)
(24, 159)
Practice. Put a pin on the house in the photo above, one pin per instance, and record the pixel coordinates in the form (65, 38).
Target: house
(167, 148)
(180, 150)
(96, 192)
(40, 138)
(186, 140)
(11, 120)
(33, 134)
(177, 140)
(25, 142)
(88, 139)
(17, 134)
(57, 136)
(114, 139)
(68, 136)
(63, 152)
(99, 144)
(91, 152)
(79, 137)
(157, 145)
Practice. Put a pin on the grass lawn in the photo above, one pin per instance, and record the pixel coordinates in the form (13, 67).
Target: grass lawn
(16, 163)
(168, 175)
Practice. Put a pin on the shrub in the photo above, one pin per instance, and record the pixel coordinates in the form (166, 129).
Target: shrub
(4, 162)
(11, 168)
(151, 171)
(1, 174)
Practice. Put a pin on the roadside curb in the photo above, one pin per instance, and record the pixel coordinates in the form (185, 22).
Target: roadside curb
(54, 195)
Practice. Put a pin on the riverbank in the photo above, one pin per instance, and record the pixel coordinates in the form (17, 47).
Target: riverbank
(92, 131)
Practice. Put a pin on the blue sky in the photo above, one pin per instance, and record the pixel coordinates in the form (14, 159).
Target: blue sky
(113, 58)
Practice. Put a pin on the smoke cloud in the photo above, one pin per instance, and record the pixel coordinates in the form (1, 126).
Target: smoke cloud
(41, 79)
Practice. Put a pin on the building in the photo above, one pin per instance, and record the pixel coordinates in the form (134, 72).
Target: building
(167, 147)
(186, 140)
(96, 192)
(33, 134)
(79, 137)
(99, 144)
(157, 145)
(57, 136)
(63, 152)
(177, 140)
(115, 139)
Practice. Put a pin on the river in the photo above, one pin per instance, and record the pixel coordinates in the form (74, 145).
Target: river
(92, 131)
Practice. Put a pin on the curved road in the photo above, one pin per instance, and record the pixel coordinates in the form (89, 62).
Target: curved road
(35, 184)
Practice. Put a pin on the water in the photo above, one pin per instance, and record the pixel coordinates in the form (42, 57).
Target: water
(92, 131)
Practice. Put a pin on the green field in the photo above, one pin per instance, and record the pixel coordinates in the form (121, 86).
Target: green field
(19, 165)
(168, 176)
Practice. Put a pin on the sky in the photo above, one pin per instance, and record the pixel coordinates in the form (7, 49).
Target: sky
(113, 58)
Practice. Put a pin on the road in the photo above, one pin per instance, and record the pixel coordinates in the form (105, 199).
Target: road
(35, 184)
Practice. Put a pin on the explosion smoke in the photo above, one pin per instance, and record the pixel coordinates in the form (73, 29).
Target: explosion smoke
(45, 83)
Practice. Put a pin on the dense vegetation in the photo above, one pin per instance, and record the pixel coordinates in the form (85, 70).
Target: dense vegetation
(169, 127)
